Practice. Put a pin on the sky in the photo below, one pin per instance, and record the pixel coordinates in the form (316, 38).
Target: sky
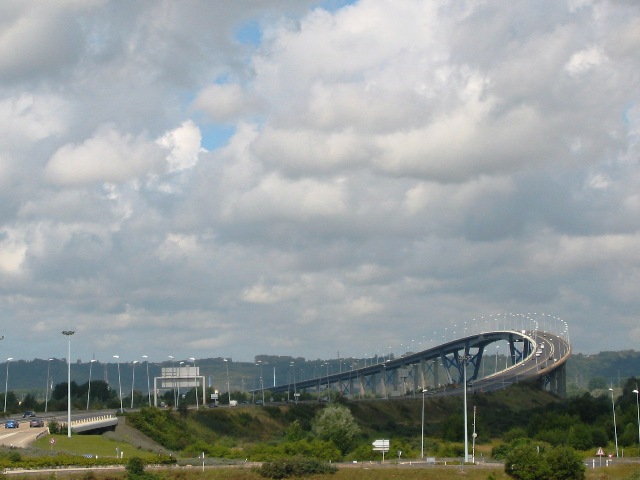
(316, 179)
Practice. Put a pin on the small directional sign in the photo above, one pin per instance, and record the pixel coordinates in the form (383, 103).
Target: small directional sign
(381, 445)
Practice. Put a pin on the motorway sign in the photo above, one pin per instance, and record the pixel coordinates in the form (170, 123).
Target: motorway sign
(381, 445)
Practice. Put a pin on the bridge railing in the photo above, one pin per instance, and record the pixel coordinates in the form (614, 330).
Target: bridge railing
(89, 420)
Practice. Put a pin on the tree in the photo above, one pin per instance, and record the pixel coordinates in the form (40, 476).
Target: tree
(530, 462)
(597, 383)
(59, 391)
(295, 431)
(29, 402)
(564, 464)
(524, 462)
(336, 423)
(580, 437)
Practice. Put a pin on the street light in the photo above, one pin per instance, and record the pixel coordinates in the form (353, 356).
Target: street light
(173, 384)
(133, 379)
(46, 400)
(179, 382)
(261, 381)
(465, 361)
(89, 389)
(638, 408)
(117, 357)
(6, 384)
(195, 377)
(422, 433)
(295, 392)
(226, 362)
(148, 385)
(68, 333)
(328, 387)
(615, 428)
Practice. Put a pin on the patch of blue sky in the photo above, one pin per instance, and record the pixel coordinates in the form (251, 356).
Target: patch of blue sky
(333, 5)
(216, 136)
(249, 33)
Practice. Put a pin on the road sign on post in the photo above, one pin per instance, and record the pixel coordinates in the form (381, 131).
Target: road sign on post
(381, 446)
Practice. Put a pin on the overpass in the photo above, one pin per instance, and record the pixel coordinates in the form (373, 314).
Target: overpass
(94, 425)
(537, 347)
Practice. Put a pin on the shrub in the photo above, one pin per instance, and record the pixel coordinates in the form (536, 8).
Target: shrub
(295, 467)
(135, 466)
(54, 427)
(528, 462)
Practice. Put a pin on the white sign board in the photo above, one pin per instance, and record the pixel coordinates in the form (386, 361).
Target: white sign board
(381, 445)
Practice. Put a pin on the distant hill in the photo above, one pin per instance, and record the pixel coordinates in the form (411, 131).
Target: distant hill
(602, 370)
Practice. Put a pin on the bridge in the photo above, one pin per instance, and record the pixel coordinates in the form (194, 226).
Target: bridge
(94, 425)
(537, 348)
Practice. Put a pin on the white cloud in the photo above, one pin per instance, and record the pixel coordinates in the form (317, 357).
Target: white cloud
(282, 199)
(28, 118)
(184, 145)
(377, 161)
(584, 60)
(12, 251)
(108, 156)
(225, 102)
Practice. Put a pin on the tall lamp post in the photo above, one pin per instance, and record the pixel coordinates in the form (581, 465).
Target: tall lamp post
(226, 362)
(117, 357)
(422, 432)
(195, 377)
(615, 428)
(293, 369)
(68, 333)
(133, 379)
(179, 382)
(89, 389)
(6, 384)
(148, 385)
(261, 381)
(465, 361)
(173, 374)
(638, 408)
(46, 398)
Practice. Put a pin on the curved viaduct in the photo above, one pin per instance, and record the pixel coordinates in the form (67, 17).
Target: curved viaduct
(535, 355)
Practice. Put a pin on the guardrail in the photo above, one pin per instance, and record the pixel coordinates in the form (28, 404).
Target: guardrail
(91, 423)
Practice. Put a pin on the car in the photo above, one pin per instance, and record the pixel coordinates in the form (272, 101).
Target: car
(36, 422)
(12, 424)
(28, 414)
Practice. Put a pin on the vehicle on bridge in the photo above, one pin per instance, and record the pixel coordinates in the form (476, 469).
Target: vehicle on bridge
(12, 424)
(36, 422)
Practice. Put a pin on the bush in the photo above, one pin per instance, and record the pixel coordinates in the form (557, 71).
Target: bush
(295, 467)
(135, 466)
(54, 427)
(528, 462)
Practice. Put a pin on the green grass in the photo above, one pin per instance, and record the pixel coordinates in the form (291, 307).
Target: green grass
(90, 444)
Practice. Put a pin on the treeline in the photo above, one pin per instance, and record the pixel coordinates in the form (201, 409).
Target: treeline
(97, 395)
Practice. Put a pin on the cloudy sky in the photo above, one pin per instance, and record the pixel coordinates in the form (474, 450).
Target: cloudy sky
(214, 178)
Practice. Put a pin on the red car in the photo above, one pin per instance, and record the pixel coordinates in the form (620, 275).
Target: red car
(36, 422)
